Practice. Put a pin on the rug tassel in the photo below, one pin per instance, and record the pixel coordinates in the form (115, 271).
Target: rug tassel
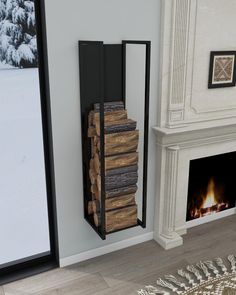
(187, 276)
(220, 263)
(165, 284)
(197, 274)
(211, 266)
(174, 280)
(203, 267)
(231, 258)
(205, 274)
(155, 291)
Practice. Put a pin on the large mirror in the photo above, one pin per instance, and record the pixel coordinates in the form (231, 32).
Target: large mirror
(25, 185)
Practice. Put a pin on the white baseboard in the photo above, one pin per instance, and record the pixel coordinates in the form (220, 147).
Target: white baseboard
(105, 249)
(210, 218)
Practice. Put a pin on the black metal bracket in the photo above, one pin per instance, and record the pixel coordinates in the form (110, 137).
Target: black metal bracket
(103, 79)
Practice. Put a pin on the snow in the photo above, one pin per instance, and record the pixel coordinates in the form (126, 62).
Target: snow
(18, 15)
(17, 30)
(25, 52)
(4, 66)
(23, 220)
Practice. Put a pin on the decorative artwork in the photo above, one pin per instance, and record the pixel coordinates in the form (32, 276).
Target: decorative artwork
(18, 43)
(222, 69)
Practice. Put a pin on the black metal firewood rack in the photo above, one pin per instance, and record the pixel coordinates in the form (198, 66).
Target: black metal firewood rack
(103, 79)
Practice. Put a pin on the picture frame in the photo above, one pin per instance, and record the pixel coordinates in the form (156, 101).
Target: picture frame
(222, 71)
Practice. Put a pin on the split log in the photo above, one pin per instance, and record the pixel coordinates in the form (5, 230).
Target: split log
(118, 180)
(117, 126)
(118, 219)
(91, 163)
(121, 148)
(121, 180)
(95, 192)
(121, 191)
(122, 137)
(98, 181)
(92, 176)
(110, 106)
(94, 148)
(111, 204)
(117, 161)
(122, 170)
(119, 202)
(92, 132)
(90, 208)
(97, 163)
(119, 143)
(90, 118)
(123, 160)
(110, 117)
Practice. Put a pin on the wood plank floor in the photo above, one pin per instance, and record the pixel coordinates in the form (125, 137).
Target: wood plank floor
(124, 272)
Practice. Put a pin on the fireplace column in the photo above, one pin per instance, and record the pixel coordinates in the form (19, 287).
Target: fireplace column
(166, 235)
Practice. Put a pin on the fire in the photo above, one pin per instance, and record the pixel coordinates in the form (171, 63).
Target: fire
(210, 199)
(210, 204)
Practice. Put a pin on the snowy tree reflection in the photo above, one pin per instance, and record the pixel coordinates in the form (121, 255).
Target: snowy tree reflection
(18, 46)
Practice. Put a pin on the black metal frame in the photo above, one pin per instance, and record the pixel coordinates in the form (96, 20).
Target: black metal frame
(103, 78)
(211, 85)
(43, 261)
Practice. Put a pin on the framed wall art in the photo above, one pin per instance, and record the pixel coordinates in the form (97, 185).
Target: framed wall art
(222, 71)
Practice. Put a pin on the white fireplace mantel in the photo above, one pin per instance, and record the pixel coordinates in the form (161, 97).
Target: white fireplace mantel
(193, 121)
(175, 149)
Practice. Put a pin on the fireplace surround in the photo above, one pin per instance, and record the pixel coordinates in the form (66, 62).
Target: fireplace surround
(194, 122)
(175, 149)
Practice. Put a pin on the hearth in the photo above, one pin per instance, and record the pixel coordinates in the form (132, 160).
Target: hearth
(212, 186)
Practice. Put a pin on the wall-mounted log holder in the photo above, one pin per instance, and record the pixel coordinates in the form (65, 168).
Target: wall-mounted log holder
(103, 89)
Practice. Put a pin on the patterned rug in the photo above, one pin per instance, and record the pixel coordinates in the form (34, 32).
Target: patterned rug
(216, 277)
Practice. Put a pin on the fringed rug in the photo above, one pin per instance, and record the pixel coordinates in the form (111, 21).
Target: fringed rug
(216, 277)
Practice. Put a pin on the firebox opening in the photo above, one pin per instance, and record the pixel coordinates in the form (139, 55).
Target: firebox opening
(212, 185)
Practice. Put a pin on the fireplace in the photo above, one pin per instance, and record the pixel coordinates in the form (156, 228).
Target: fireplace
(211, 188)
(196, 179)
(196, 130)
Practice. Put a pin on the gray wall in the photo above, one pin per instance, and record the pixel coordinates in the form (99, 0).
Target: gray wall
(110, 21)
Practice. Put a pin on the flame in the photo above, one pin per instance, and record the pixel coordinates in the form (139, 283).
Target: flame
(210, 199)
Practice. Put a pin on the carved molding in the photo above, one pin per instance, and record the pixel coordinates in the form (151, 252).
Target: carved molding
(179, 51)
(191, 64)
(177, 106)
(177, 58)
(170, 192)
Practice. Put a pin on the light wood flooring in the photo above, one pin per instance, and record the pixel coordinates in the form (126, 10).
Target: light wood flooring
(124, 272)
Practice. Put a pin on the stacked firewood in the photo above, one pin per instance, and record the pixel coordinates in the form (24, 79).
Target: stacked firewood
(121, 166)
